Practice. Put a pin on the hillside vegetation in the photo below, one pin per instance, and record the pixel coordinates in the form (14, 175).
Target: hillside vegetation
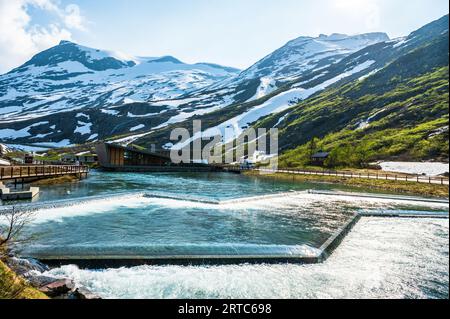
(14, 287)
(399, 112)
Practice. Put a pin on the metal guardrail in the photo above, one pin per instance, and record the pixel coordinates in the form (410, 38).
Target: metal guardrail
(349, 174)
(25, 171)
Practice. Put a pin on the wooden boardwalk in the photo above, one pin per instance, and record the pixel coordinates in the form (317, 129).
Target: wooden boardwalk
(40, 171)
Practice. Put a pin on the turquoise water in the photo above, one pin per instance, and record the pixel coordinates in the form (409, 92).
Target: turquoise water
(206, 185)
(130, 215)
(380, 258)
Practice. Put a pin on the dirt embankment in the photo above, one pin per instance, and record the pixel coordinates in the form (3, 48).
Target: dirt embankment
(56, 180)
(401, 187)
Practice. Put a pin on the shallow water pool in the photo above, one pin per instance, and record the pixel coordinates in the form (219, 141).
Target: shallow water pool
(147, 215)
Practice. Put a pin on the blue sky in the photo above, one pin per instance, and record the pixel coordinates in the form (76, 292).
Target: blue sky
(232, 32)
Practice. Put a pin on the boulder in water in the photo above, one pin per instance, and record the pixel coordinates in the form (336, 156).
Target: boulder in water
(40, 281)
(58, 288)
(23, 266)
(83, 293)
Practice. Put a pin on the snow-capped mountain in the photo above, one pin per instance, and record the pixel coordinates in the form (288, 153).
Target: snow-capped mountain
(70, 76)
(301, 84)
(289, 63)
(300, 61)
(72, 94)
(307, 53)
(391, 90)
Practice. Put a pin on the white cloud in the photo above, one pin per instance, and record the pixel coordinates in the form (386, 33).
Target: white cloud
(20, 39)
(73, 18)
(368, 10)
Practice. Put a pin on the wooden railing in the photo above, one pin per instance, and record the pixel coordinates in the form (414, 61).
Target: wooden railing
(24, 171)
(349, 174)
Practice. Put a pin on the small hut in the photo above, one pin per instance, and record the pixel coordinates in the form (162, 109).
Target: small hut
(319, 158)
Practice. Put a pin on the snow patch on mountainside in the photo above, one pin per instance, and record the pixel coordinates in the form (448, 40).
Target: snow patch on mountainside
(110, 112)
(62, 143)
(267, 86)
(234, 127)
(418, 168)
(8, 134)
(364, 124)
(130, 139)
(176, 102)
(83, 128)
(182, 116)
(137, 127)
(280, 120)
(26, 148)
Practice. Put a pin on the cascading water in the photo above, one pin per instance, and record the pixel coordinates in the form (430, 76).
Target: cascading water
(270, 220)
(380, 258)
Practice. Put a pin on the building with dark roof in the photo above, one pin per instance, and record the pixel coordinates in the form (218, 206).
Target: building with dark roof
(319, 158)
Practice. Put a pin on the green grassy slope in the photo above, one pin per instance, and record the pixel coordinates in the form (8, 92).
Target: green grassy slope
(14, 287)
(406, 104)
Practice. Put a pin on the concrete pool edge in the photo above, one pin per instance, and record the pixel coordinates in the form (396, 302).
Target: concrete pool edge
(382, 196)
(326, 250)
(34, 206)
(335, 240)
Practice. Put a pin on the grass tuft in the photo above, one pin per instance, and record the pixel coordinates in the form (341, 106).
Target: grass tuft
(14, 287)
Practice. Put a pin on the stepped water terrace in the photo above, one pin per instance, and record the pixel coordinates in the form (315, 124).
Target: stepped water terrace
(203, 223)
(380, 258)
(125, 236)
(147, 226)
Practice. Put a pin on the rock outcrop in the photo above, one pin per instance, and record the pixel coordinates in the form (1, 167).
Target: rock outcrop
(34, 271)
